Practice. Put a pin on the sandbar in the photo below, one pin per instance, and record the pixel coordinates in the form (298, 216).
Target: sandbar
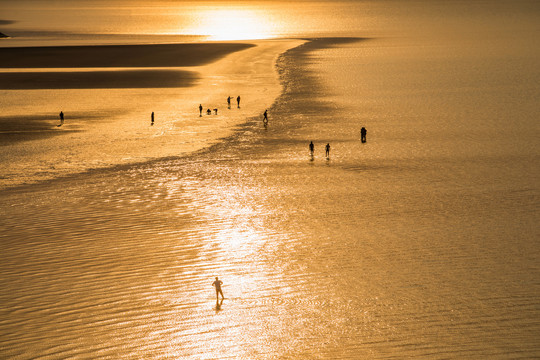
(117, 67)
(118, 79)
(151, 55)
(109, 127)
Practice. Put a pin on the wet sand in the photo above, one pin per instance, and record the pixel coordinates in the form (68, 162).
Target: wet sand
(345, 258)
(25, 128)
(161, 55)
(126, 59)
(108, 111)
(118, 79)
(421, 243)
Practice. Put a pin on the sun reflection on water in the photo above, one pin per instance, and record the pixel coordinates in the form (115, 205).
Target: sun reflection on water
(233, 24)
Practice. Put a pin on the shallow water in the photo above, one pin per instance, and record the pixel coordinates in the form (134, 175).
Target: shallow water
(420, 243)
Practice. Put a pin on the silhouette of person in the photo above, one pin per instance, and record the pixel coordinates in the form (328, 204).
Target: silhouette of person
(217, 284)
(215, 111)
(152, 117)
(229, 102)
(61, 118)
(265, 118)
(363, 133)
(238, 101)
(311, 148)
(328, 150)
(208, 112)
(200, 110)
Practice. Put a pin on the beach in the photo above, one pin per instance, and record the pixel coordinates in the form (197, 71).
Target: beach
(98, 132)
(421, 242)
(292, 238)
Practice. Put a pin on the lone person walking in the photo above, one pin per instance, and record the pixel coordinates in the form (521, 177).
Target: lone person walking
(61, 118)
(265, 117)
(311, 148)
(217, 284)
(200, 110)
(152, 117)
(229, 102)
(328, 150)
(238, 101)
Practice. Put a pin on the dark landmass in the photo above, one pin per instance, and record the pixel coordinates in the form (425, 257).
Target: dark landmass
(119, 79)
(162, 55)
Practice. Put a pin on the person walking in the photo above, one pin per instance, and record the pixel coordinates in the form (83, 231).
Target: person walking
(363, 134)
(217, 284)
(61, 118)
(200, 110)
(238, 101)
(229, 102)
(311, 148)
(152, 119)
(328, 150)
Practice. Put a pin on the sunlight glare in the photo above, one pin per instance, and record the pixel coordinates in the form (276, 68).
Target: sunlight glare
(230, 24)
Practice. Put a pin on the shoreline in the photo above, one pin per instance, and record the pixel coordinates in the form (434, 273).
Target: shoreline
(237, 129)
(127, 140)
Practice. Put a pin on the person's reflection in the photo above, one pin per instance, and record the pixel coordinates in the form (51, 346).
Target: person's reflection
(218, 304)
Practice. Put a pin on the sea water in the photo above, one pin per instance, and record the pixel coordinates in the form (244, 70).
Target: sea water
(422, 242)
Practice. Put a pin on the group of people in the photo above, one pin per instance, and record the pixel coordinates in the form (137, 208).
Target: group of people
(312, 149)
(209, 112)
(363, 135)
(237, 101)
(363, 131)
